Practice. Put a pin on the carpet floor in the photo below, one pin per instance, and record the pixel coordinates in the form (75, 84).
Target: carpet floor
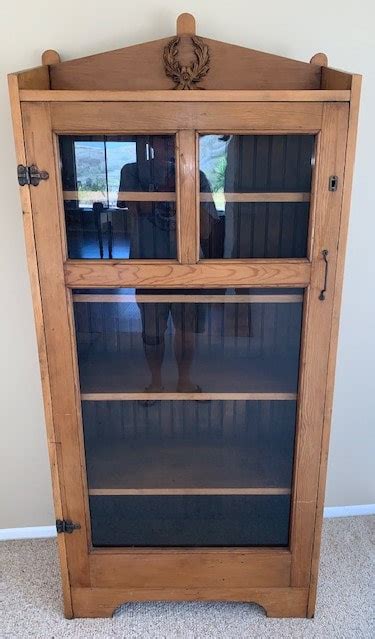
(30, 598)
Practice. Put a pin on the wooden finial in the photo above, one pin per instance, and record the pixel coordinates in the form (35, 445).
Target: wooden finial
(320, 59)
(186, 24)
(50, 57)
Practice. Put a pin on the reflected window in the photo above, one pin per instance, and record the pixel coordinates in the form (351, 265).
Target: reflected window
(119, 196)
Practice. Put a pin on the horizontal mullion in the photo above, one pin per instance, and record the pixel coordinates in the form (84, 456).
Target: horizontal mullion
(258, 197)
(106, 396)
(189, 491)
(170, 274)
(196, 299)
(122, 196)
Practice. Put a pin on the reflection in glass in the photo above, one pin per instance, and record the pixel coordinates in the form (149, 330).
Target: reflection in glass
(188, 341)
(261, 187)
(189, 409)
(119, 196)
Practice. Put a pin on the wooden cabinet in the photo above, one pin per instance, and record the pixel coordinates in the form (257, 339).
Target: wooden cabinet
(186, 255)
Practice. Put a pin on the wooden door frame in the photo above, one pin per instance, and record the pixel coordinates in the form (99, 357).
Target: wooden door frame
(57, 276)
(316, 335)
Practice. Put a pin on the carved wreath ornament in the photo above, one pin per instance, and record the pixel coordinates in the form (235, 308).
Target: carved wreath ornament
(186, 77)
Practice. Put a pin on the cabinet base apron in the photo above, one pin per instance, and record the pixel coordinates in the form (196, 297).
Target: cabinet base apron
(103, 602)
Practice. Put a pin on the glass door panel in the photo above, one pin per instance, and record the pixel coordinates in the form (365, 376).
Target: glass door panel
(119, 196)
(189, 408)
(256, 199)
(188, 341)
(189, 473)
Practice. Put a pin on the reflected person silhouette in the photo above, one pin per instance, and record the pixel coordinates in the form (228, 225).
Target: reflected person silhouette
(153, 235)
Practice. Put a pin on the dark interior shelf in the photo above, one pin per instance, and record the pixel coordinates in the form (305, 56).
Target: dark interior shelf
(190, 520)
(111, 373)
(141, 467)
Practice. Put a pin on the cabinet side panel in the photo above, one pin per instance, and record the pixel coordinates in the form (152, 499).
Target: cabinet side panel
(57, 485)
(345, 210)
(58, 335)
(316, 340)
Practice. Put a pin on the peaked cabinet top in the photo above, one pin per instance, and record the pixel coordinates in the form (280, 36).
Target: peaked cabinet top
(184, 67)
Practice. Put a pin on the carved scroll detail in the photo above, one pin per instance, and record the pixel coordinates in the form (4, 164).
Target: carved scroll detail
(186, 77)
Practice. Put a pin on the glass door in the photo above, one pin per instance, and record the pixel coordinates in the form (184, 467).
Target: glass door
(179, 252)
(188, 395)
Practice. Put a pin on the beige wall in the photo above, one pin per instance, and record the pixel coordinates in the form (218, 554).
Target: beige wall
(287, 28)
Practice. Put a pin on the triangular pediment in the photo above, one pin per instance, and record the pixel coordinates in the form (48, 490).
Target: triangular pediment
(141, 67)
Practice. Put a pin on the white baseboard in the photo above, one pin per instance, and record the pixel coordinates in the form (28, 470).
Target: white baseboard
(42, 532)
(32, 532)
(349, 511)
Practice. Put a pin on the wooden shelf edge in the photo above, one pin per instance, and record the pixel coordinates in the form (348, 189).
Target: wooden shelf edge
(108, 492)
(258, 197)
(314, 95)
(112, 397)
(123, 196)
(162, 196)
(196, 299)
(192, 550)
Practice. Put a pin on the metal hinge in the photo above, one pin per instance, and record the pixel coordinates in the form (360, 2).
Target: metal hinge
(333, 183)
(30, 175)
(66, 526)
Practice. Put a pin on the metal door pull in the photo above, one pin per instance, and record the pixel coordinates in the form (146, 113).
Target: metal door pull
(322, 295)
